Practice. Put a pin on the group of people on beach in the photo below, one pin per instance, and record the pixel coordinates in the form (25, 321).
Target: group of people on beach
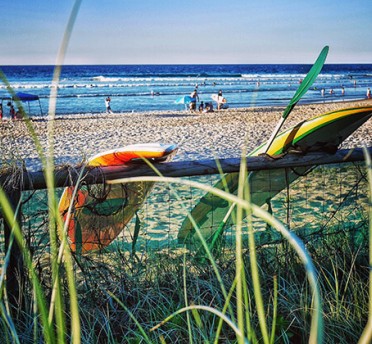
(13, 114)
(207, 106)
(203, 107)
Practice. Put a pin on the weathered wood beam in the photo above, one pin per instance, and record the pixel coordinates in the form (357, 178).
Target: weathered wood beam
(69, 175)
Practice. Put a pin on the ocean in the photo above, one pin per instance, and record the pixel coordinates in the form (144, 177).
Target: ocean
(134, 88)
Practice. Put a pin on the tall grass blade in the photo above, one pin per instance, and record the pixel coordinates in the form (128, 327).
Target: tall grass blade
(254, 263)
(275, 309)
(239, 265)
(186, 299)
(208, 309)
(53, 204)
(251, 334)
(8, 320)
(224, 309)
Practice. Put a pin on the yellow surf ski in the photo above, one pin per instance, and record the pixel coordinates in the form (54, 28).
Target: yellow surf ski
(325, 132)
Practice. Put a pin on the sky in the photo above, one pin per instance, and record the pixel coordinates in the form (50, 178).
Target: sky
(187, 32)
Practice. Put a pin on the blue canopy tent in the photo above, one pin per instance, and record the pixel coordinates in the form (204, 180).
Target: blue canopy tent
(22, 97)
(27, 97)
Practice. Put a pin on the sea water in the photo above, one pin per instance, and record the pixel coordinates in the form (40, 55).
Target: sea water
(82, 89)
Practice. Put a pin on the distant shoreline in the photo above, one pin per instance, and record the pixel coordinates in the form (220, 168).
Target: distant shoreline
(92, 115)
(83, 89)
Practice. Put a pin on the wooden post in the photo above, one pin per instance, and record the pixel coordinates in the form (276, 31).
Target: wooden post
(15, 272)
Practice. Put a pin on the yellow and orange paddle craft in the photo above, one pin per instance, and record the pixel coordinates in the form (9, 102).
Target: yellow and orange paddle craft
(100, 212)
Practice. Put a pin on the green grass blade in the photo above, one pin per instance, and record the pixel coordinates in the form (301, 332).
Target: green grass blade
(239, 265)
(8, 320)
(253, 258)
(275, 310)
(185, 296)
(53, 203)
(208, 309)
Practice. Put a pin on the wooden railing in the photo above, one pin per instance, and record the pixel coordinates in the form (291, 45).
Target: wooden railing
(67, 176)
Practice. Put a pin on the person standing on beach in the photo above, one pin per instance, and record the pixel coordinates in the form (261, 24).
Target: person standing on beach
(194, 96)
(221, 100)
(368, 93)
(108, 105)
(1, 112)
(12, 112)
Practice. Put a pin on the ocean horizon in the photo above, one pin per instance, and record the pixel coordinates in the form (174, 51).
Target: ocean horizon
(82, 89)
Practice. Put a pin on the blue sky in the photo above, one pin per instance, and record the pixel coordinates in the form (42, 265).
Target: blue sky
(193, 31)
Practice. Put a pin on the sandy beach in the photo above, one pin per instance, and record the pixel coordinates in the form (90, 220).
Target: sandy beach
(220, 134)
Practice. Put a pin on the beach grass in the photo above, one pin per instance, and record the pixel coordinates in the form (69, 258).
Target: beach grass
(170, 295)
(291, 292)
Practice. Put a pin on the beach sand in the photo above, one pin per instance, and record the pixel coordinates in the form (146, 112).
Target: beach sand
(221, 134)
